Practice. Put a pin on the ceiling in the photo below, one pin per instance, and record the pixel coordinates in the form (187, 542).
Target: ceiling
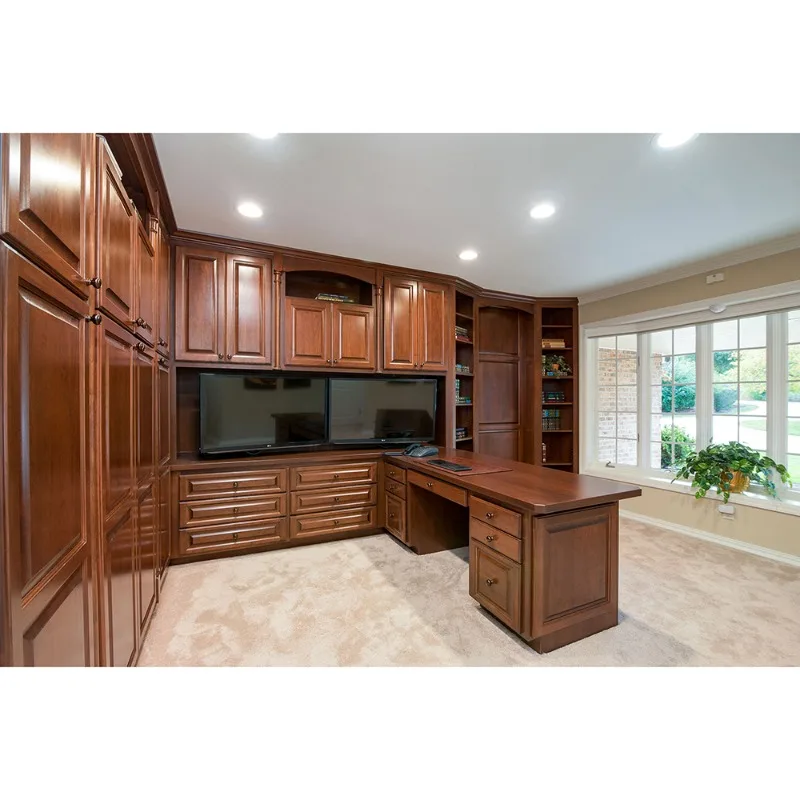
(626, 209)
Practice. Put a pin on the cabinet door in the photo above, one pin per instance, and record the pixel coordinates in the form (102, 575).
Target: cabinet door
(119, 588)
(307, 333)
(436, 333)
(163, 525)
(199, 305)
(48, 196)
(145, 308)
(145, 415)
(401, 339)
(116, 244)
(353, 336)
(164, 298)
(249, 291)
(146, 543)
(46, 406)
(163, 421)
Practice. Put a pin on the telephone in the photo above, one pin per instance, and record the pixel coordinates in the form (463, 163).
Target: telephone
(420, 451)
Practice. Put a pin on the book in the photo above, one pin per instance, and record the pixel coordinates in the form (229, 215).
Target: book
(334, 298)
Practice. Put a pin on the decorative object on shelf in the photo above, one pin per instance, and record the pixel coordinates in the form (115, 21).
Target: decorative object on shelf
(463, 368)
(335, 298)
(555, 366)
(729, 469)
(554, 344)
(544, 453)
(554, 397)
(551, 419)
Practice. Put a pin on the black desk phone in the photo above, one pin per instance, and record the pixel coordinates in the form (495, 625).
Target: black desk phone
(421, 451)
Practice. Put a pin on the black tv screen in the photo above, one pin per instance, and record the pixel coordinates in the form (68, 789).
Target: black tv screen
(390, 410)
(249, 413)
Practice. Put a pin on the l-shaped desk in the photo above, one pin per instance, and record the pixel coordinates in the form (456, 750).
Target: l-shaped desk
(543, 543)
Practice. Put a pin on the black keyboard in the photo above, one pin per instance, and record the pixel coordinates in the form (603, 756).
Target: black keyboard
(440, 462)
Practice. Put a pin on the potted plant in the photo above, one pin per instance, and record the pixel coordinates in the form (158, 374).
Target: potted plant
(555, 366)
(729, 468)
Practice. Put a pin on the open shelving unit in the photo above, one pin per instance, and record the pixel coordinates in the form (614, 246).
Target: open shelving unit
(465, 364)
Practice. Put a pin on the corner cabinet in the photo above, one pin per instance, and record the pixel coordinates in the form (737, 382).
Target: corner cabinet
(418, 326)
(223, 307)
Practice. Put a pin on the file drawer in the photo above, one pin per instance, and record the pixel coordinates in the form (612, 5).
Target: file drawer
(318, 477)
(219, 485)
(333, 499)
(204, 512)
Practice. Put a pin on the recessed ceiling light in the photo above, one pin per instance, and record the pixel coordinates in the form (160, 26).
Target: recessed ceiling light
(667, 141)
(249, 210)
(543, 211)
(468, 255)
(264, 135)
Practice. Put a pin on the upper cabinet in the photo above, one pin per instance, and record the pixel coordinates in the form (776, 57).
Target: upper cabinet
(145, 322)
(160, 240)
(223, 306)
(47, 199)
(418, 330)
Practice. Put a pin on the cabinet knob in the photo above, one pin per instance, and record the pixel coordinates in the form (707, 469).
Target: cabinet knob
(235, 510)
(139, 322)
(490, 538)
(95, 319)
(162, 362)
(391, 516)
(336, 522)
(335, 360)
(229, 356)
(236, 484)
(220, 356)
(140, 347)
(336, 476)
(96, 283)
(235, 536)
(490, 515)
(391, 473)
(162, 342)
(335, 499)
(490, 581)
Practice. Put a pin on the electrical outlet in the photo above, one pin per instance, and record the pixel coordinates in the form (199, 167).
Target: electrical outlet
(715, 277)
(727, 510)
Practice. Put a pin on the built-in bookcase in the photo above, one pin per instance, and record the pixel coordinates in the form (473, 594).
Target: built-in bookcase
(464, 398)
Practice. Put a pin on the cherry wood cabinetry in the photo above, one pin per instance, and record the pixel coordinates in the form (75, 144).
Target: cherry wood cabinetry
(146, 557)
(48, 202)
(46, 404)
(223, 308)
(160, 241)
(146, 315)
(418, 325)
(163, 545)
(145, 415)
(163, 415)
(353, 337)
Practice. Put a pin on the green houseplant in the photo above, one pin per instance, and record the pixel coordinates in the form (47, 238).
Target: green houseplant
(729, 468)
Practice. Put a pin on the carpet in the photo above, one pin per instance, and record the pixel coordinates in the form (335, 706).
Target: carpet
(372, 602)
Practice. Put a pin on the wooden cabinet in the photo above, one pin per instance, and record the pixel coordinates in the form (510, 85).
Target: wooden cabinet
(47, 437)
(119, 590)
(353, 337)
(163, 415)
(160, 240)
(47, 202)
(145, 415)
(495, 582)
(116, 222)
(145, 309)
(163, 548)
(396, 516)
(223, 308)
(418, 325)
(146, 557)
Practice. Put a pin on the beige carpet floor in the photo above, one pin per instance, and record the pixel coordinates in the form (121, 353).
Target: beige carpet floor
(370, 601)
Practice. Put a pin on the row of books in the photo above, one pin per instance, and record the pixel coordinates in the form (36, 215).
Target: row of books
(462, 331)
(554, 397)
(463, 368)
(335, 298)
(459, 397)
(554, 344)
(551, 419)
(462, 433)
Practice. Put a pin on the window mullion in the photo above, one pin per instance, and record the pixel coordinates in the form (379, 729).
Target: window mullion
(643, 421)
(704, 397)
(777, 386)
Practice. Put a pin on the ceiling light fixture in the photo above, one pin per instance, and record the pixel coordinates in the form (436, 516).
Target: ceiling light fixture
(248, 209)
(468, 255)
(666, 141)
(264, 135)
(543, 211)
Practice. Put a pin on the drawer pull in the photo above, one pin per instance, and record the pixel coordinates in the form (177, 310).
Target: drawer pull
(490, 581)
(336, 522)
(336, 477)
(391, 516)
(335, 499)
(236, 484)
(490, 538)
(490, 515)
(235, 536)
(429, 485)
(235, 510)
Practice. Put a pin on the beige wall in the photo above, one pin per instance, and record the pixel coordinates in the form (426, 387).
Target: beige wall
(757, 526)
(757, 274)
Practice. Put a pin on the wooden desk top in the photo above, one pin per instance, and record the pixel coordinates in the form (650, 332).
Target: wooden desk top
(541, 490)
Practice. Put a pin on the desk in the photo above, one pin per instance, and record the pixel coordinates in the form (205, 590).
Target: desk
(543, 544)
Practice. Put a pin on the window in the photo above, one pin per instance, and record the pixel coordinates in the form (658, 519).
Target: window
(618, 397)
(793, 394)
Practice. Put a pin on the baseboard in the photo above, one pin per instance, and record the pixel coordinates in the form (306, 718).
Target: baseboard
(734, 544)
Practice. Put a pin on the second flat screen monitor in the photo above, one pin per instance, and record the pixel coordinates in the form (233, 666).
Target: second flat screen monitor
(396, 410)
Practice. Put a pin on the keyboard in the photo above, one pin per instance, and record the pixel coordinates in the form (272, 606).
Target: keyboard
(440, 462)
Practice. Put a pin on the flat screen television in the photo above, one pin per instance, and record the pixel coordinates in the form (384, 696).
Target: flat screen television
(378, 411)
(257, 412)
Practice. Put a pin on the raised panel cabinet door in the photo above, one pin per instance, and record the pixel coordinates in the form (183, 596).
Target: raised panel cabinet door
(146, 553)
(116, 221)
(145, 322)
(164, 296)
(119, 589)
(353, 344)
(145, 415)
(47, 196)
(249, 291)
(199, 305)
(307, 333)
(401, 337)
(163, 525)
(436, 333)
(163, 422)
(48, 562)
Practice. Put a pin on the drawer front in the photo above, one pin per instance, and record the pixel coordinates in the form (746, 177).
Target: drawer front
(317, 477)
(396, 517)
(496, 539)
(219, 485)
(208, 540)
(320, 524)
(395, 473)
(205, 512)
(397, 489)
(494, 581)
(332, 499)
(441, 488)
(496, 516)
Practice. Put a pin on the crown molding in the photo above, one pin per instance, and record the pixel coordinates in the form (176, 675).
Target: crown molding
(730, 258)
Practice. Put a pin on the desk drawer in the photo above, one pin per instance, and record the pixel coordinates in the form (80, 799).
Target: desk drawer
(446, 490)
(395, 473)
(494, 581)
(318, 477)
(205, 512)
(395, 488)
(209, 540)
(310, 525)
(219, 485)
(333, 499)
(396, 517)
(496, 539)
(496, 516)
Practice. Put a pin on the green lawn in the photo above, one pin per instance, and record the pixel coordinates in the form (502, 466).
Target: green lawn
(761, 425)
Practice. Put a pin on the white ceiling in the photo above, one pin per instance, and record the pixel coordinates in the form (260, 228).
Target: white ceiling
(626, 209)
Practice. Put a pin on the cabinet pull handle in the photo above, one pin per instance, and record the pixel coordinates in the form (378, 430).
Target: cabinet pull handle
(336, 476)
(391, 516)
(490, 538)
(335, 499)
(490, 581)
(95, 319)
(236, 484)
(336, 522)
(429, 485)
(220, 356)
(335, 360)
(490, 515)
(162, 342)
(391, 473)
(235, 510)
(140, 347)
(162, 362)
(95, 283)
(235, 536)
